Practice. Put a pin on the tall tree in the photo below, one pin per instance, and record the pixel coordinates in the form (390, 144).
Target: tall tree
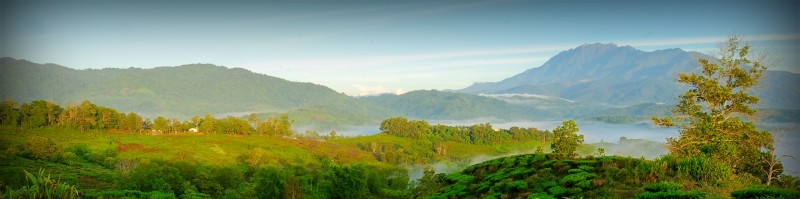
(711, 112)
(207, 124)
(9, 114)
(160, 124)
(107, 117)
(134, 122)
(566, 139)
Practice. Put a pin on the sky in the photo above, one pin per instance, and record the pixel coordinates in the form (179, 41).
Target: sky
(370, 47)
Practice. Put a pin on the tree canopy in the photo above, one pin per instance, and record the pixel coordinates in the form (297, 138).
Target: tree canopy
(712, 112)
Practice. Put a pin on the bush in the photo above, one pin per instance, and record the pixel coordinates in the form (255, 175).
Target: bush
(540, 196)
(672, 194)
(704, 169)
(41, 186)
(68, 158)
(42, 148)
(80, 150)
(765, 193)
(662, 187)
(125, 194)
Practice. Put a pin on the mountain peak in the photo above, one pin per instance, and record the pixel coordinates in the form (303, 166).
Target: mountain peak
(598, 45)
(601, 47)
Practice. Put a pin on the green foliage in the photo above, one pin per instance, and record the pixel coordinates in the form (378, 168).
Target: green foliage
(42, 148)
(42, 186)
(482, 134)
(434, 104)
(566, 139)
(127, 194)
(710, 113)
(275, 126)
(671, 194)
(662, 187)
(704, 169)
(765, 193)
(180, 91)
(270, 182)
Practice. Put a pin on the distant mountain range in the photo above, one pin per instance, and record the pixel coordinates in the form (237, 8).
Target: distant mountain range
(623, 76)
(181, 91)
(588, 81)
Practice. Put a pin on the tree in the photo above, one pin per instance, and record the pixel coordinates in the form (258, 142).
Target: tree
(9, 115)
(427, 185)
(87, 115)
(36, 114)
(270, 182)
(400, 126)
(160, 124)
(107, 117)
(42, 148)
(711, 112)
(207, 124)
(134, 122)
(773, 166)
(566, 139)
(253, 119)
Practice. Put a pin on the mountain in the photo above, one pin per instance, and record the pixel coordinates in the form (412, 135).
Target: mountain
(441, 105)
(181, 91)
(614, 75)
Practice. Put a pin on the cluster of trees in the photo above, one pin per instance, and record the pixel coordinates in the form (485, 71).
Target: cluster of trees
(153, 178)
(712, 115)
(476, 134)
(83, 116)
(326, 180)
(551, 176)
(86, 115)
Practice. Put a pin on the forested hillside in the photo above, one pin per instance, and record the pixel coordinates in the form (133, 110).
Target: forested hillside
(623, 76)
(180, 91)
(93, 151)
(432, 104)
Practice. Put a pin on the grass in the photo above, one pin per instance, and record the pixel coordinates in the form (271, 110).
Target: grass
(220, 150)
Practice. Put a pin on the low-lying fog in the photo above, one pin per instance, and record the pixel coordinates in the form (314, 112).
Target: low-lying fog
(596, 132)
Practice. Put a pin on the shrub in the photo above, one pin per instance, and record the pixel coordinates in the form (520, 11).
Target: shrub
(663, 186)
(518, 185)
(42, 148)
(540, 196)
(41, 186)
(672, 194)
(68, 158)
(765, 193)
(704, 169)
(80, 150)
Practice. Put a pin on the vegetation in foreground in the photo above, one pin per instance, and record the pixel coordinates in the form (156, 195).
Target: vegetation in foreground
(97, 152)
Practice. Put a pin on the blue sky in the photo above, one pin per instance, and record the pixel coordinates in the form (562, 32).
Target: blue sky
(368, 47)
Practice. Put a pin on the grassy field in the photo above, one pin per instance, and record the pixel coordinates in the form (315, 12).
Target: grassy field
(222, 150)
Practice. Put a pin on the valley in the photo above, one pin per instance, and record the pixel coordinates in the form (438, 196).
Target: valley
(206, 131)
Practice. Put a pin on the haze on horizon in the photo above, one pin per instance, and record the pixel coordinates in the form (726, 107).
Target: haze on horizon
(369, 47)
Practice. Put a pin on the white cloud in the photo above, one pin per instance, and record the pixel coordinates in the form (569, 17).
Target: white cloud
(400, 91)
(367, 90)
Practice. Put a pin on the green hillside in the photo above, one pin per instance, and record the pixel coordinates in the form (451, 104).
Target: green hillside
(433, 104)
(181, 91)
(550, 176)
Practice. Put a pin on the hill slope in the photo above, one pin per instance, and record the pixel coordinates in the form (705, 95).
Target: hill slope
(436, 105)
(623, 76)
(180, 91)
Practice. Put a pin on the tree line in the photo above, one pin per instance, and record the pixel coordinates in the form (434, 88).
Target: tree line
(87, 115)
(482, 134)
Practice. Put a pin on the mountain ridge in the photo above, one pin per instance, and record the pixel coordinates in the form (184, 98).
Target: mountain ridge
(623, 76)
(180, 91)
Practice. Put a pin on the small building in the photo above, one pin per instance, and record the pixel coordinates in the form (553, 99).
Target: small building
(193, 130)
